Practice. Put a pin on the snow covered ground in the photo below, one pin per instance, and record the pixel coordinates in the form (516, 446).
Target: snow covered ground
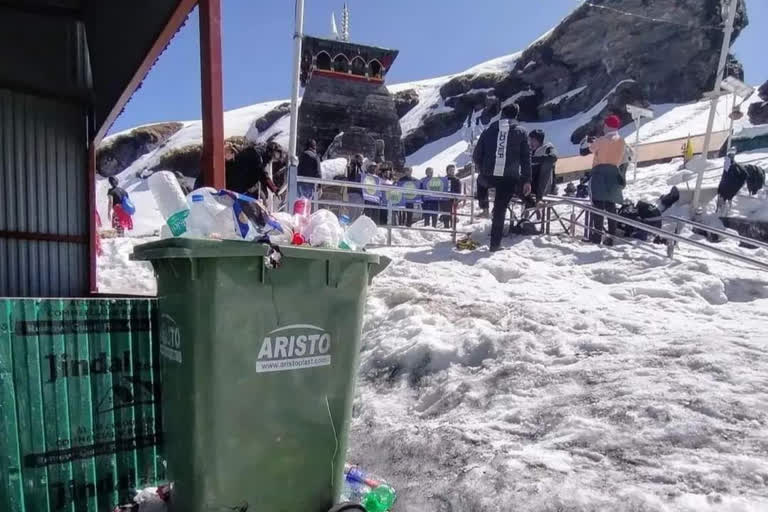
(555, 375)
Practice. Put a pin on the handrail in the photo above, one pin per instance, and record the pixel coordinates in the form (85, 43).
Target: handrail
(719, 231)
(666, 234)
(392, 188)
(395, 209)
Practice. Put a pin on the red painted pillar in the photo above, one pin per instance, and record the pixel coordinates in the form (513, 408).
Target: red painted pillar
(212, 164)
(92, 227)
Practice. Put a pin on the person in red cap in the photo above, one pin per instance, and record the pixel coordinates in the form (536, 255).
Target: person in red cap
(607, 181)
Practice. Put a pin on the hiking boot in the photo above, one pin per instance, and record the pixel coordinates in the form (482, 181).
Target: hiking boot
(496, 249)
(608, 242)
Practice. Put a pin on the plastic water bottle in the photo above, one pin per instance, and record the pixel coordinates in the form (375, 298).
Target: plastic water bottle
(379, 499)
(359, 234)
(301, 211)
(170, 201)
(204, 210)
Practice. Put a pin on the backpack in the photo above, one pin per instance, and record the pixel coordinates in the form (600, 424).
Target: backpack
(628, 211)
(671, 198)
(128, 205)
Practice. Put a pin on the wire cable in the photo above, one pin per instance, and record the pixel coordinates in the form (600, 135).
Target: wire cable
(655, 20)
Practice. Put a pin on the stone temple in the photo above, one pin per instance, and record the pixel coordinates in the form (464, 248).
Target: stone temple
(346, 107)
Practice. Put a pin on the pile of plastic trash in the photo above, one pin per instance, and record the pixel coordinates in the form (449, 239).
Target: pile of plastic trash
(361, 487)
(370, 491)
(226, 215)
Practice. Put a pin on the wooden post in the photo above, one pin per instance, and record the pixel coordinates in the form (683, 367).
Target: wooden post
(212, 163)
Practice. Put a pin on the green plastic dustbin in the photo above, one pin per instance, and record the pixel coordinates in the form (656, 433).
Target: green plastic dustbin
(258, 370)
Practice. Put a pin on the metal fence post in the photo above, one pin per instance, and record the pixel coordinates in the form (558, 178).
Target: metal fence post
(472, 194)
(389, 224)
(672, 244)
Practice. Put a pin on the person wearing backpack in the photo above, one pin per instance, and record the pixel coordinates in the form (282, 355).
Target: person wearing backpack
(120, 208)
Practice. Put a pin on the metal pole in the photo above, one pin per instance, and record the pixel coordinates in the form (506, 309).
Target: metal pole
(730, 129)
(389, 224)
(715, 99)
(638, 125)
(472, 193)
(298, 36)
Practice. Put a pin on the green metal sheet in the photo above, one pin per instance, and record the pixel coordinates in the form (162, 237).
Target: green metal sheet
(78, 398)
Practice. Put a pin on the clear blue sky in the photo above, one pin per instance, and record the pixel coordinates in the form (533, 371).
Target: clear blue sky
(435, 37)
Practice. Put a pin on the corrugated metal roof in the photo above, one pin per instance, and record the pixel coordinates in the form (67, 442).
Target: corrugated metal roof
(43, 197)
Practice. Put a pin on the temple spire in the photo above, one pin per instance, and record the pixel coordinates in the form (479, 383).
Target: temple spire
(344, 24)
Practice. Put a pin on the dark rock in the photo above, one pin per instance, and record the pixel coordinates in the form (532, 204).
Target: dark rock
(433, 128)
(186, 159)
(626, 93)
(467, 103)
(598, 48)
(734, 68)
(465, 83)
(405, 101)
(763, 91)
(119, 152)
(266, 121)
(330, 105)
(758, 113)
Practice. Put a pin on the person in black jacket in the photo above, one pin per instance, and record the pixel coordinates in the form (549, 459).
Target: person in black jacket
(454, 187)
(543, 161)
(247, 169)
(503, 158)
(309, 167)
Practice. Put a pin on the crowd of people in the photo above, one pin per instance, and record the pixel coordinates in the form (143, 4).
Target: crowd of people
(509, 160)
(417, 197)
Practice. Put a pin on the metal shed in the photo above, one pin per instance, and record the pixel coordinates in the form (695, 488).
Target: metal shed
(67, 69)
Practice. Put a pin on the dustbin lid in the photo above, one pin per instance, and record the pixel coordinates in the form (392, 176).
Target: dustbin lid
(196, 248)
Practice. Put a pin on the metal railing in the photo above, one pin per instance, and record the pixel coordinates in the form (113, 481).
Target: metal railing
(672, 238)
(550, 214)
(391, 210)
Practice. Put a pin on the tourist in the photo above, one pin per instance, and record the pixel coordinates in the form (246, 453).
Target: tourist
(408, 181)
(543, 160)
(607, 180)
(453, 186)
(503, 157)
(429, 204)
(120, 208)
(309, 167)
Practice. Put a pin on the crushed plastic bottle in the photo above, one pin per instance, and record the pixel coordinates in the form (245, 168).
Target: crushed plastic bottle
(359, 234)
(301, 209)
(323, 230)
(209, 213)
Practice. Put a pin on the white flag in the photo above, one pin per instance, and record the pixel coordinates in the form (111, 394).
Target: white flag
(334, 30)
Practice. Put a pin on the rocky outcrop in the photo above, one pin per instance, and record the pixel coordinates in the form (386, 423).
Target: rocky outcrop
(119, 152)
(266, 121)
(405, 101)
(758, 112)
(598, 46)
(433, 128)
